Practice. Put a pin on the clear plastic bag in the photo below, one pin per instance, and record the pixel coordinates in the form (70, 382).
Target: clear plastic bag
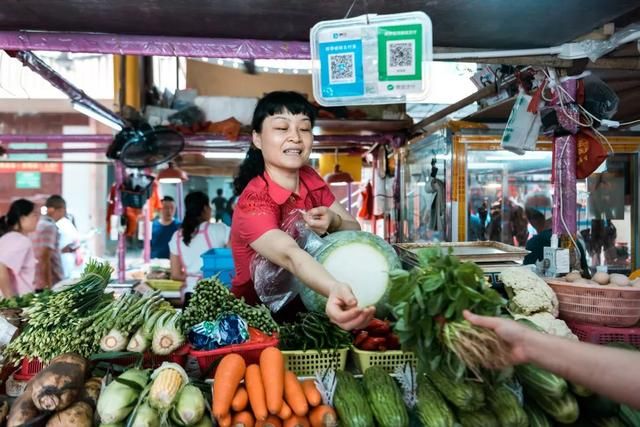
(275, 286)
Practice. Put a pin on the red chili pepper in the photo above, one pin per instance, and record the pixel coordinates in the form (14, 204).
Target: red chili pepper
(393, 342)
(379, 328)
(373, 343)
(257, 336)
(360, 338)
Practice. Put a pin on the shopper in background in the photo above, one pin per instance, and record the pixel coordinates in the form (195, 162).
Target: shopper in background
(274, 180)
(220, 203)
(46, 244)
(227, 216)
(163, 228)
(195, 237)
(610, 372)
(17, 259)
(69, 238)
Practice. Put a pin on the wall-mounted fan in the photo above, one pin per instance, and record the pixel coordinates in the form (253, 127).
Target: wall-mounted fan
(143, 146)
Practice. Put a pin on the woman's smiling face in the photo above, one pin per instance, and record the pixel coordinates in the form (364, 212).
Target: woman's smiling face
(285, 140)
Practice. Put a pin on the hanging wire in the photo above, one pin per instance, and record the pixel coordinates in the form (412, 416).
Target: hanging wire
(366, 10)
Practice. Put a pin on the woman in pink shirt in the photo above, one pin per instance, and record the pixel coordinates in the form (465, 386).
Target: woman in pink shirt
(17, 259)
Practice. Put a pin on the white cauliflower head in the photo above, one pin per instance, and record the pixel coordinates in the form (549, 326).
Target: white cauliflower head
(549, 324)
(528, 293)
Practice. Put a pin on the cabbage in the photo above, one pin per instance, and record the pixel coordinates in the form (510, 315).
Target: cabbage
(361, 260)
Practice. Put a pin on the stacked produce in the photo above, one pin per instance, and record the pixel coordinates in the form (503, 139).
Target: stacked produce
(60, 395)
(141, 398)
(313, 331)
(212, 298)
(270, 396)
(377, 336)
(603, 279)
(60, 324)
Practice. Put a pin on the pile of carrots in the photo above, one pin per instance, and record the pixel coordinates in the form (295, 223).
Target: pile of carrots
(270, 396)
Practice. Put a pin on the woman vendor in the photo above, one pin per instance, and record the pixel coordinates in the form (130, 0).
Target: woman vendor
(273, 180)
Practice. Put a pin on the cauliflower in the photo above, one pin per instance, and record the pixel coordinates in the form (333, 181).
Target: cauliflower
(528, 293)
(549, 324)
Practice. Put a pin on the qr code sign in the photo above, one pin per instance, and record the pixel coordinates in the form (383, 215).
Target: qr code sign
(341, 68)
(401, 57)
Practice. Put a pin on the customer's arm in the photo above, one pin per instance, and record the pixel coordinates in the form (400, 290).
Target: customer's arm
(177, 269)
(5, 282)
(611, 372)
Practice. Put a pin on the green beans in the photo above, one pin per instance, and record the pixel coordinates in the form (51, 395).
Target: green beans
(313, 331)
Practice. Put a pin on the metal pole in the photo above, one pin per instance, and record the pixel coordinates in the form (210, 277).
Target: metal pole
(146, 248)
(180, 207)
(119, 211)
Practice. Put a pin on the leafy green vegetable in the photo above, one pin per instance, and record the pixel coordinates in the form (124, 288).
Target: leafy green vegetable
(428, 303)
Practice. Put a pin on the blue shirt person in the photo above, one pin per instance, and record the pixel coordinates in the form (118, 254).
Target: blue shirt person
(163, 228)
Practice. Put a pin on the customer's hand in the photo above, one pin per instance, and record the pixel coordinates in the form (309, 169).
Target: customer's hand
(515, 334)
(342, 308)
(320, 219)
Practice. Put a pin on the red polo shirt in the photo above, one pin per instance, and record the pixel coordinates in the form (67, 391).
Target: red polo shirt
(262, 206)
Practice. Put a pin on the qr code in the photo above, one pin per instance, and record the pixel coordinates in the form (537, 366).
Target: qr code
(341, 68)
(400, 57)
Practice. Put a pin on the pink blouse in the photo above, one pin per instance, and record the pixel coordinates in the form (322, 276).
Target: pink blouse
(16, 253)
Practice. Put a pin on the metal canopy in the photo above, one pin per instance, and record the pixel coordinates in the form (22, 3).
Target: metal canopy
(488, 24)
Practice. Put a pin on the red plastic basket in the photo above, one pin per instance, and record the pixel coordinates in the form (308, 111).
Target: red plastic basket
(597, 334)
(250, 352)
(29, 368)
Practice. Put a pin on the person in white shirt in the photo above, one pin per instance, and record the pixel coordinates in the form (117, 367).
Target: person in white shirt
(195, 237)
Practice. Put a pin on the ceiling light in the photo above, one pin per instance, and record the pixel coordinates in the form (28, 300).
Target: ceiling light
(172, 175)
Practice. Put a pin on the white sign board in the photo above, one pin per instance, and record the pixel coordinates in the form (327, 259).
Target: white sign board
(372, 59)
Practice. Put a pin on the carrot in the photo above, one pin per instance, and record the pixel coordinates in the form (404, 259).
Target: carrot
(228, 376)
(311, 392)
(294, 395)
(224, 421)
(272, 369)
(285, 411)
(296, 421)
(323, 416)
(272, 421)
(255, 389)
(243, 419)
(240, 400)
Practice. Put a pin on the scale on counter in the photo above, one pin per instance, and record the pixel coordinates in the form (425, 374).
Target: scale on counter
(492, 257)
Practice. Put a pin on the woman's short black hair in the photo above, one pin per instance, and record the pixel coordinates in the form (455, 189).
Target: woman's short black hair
(281, 102)
(271, 104)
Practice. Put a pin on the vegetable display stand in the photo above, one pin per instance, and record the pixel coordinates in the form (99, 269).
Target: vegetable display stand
(388, 360)
(307, 363)
(617, 306)
(250, 352)
(597, 334)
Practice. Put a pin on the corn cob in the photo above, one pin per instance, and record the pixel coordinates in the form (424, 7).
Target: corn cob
(168, 380)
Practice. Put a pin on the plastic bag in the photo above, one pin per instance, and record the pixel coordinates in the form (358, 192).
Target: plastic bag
(275, 286)
(226, 330)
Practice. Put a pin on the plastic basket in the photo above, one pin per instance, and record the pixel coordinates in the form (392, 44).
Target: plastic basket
(602, 305)
(217, 259)
(250, 352)
(389, 360)
(307, 363)
(165, 285)
(597, 334)
(29, 368)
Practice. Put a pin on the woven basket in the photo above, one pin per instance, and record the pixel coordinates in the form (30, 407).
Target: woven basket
(615, 306)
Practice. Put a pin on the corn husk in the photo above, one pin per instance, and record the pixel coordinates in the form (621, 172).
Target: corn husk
(145, 416)
(190, 407)
(119, 398)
